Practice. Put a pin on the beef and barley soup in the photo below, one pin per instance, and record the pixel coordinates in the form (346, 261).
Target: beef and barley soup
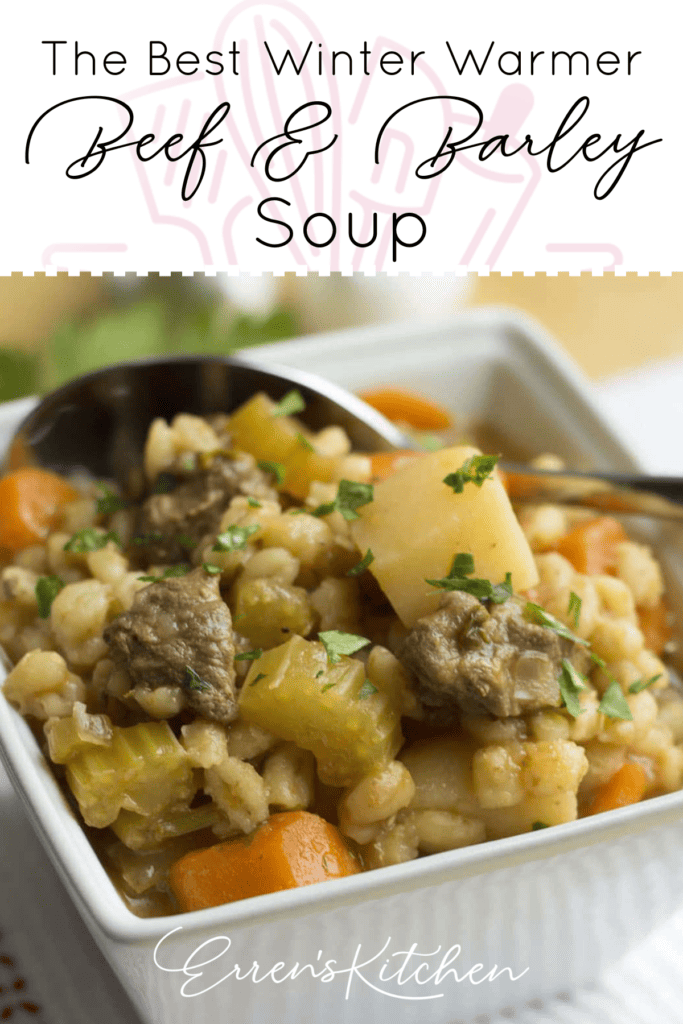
(290, 662)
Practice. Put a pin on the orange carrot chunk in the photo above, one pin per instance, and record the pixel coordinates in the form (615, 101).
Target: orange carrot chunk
(408, 407)
(655, 626)
(592, 546)
(30, 504)
(627, 786)
(291, 849)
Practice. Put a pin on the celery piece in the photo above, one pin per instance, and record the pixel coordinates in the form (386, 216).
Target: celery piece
(145, 770)
(266, 610)
(302, 698)
(66, 737)
(138, 832)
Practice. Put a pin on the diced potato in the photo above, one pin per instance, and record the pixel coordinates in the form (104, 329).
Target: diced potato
(144, 770)
(441, 769)
(304, 466)
(416, 524)
(254, 429)
(294, 692)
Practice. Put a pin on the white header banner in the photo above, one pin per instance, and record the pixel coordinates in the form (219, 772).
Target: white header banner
(354, 137)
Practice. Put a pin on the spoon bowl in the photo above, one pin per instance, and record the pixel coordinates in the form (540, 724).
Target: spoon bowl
(98, 423)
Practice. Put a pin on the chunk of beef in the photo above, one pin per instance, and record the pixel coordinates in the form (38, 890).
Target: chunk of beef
(472, 661)
(179, 634)
(171, 525)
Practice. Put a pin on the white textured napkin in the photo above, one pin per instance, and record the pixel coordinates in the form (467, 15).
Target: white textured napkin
(51, 971)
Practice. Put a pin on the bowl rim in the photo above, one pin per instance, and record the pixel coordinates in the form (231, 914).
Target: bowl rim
(76, 860)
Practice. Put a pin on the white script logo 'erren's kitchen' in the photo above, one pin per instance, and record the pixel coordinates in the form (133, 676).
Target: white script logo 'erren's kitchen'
(383, 971)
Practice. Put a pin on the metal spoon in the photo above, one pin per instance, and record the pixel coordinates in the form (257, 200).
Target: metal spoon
(99, 423)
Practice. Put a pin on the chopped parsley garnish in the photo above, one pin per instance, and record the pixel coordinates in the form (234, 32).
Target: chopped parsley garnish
(90, 539)
(186, 541)
(259, 677)
(194, 682)
(539, 824)
(458, 579)
(290, 405)
(253, 503)
(544, 618)
(473, 471)
(337, 643)
(320, 673)
(170, 572)
(350, 496)
(366, 690)
(47, 588)
(642, 684)
(249, 655)
(276, 468)
(147, 538)
(574, 608)
(235, 538)
(213, 570)
(361, 566)
(327, 686)
(305, 443)
(109, 502)
(164, 483)
(614, 703)
(571, 683)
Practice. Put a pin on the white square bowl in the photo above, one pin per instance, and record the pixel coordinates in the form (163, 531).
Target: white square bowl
(446, 937)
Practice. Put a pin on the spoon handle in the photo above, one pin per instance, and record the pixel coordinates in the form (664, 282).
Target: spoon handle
(621, 493)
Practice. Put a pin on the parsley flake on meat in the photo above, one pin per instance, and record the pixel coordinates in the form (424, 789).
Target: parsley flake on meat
(473, 471)
(290, 405)
(90, 539)
(194, 682)
(47, 588)
(361, 566)
(259, 677)
(213, 570)
(337, 643)
(535, 613)
(235, 538)
(458, 578)
(351, 496)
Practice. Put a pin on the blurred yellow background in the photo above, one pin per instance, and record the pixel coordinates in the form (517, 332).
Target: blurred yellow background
(608, 324)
